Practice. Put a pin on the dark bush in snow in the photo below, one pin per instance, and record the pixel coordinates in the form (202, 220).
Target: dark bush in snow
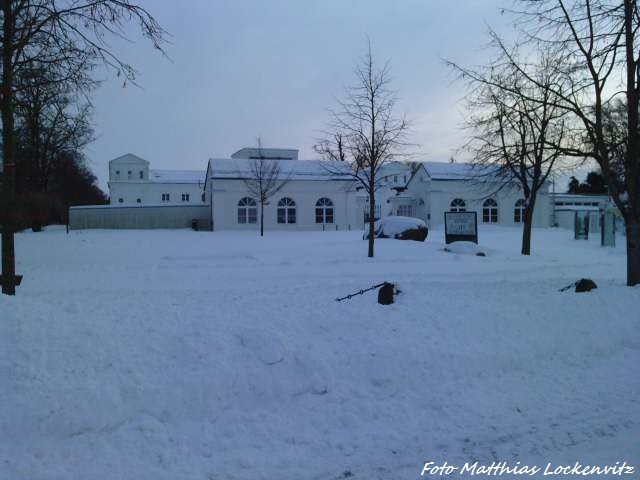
(585, 285)
(401, 228)
(385, 294)
(418, 234)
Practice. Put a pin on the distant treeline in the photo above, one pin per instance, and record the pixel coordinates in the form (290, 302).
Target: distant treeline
(53, 126)
(594, 183)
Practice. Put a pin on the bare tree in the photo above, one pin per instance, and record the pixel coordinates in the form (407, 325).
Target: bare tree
(598, 46)
(51, 120)
(370, 133)
(517, 130)
(266, 178)
(65, 35)
(332, 148)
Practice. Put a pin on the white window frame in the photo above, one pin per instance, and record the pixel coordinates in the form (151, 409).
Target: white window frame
(518, 211)
(458, 205)
(490, 211)
(405, 210)
(286, 213)
(247, 212)
(325, 213)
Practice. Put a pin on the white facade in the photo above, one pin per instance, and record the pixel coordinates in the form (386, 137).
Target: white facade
(227, 194)
(131, 182)
(319, 195)
(565, 206)
(313, 196)
(424, 190)
(440, 187)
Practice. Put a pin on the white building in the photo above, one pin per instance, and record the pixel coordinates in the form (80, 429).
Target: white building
(131, 182)
(317, 195)
(439, 187)
(565, 206)
(314, 195)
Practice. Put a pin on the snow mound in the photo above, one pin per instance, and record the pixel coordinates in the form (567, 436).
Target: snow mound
(268, 349)
(465, 248)
(394, 226)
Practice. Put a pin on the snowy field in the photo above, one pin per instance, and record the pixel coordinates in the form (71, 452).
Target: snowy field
(184, 355)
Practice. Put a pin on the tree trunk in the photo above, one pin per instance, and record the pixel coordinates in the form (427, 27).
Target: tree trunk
(632, 222)
(372, 221)
(262, 219)
(632, 227)
(8, 151)
(526, 229)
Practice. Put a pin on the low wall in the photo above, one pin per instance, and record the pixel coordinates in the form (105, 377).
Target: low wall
(139, 216)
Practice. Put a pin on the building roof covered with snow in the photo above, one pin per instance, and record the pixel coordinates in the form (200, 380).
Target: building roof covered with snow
(241, 168)
(453, 171)
(267, 153)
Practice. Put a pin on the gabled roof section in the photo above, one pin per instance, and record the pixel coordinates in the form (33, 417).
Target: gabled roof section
(129, 158)
(270, 153)
(447, 171)
(240, 168)
(394, 168)
(452, 171)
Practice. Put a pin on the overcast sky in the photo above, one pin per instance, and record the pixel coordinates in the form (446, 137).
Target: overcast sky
(239, 69)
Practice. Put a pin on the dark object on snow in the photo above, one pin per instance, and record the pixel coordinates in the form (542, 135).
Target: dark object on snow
(481, 254)
(394, 291)
(385, 294)
(418, 234)
(351, 295)
(585, 285)
(398, 227)
(17, 280)
(582, 285)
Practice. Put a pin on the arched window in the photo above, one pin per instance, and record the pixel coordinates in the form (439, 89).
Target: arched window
(518, 212)
(286, 210)
(247, 211)
(458, 205)
(324, 211)
(490, 211)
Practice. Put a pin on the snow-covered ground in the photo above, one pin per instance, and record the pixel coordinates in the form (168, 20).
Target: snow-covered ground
(186, 355)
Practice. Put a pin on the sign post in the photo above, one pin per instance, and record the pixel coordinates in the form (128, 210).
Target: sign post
(608, 228)
(460, 227)
(581, 225)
